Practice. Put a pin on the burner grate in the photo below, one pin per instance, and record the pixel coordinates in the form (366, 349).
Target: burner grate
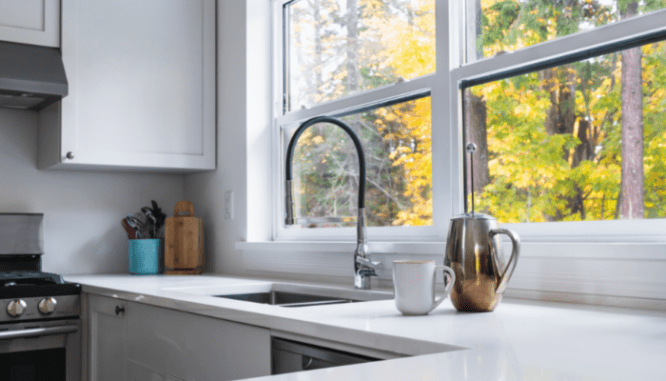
(26, 278)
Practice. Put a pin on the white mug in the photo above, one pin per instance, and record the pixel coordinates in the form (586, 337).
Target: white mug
(414, 283)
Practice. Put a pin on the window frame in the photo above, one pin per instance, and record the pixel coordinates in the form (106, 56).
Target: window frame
(447, 155)
(283, 121)
(635, 231)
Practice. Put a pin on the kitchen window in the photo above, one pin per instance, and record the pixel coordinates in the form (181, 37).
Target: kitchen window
(373, 65)
(565, 102)
(581, 141)
(388, 63)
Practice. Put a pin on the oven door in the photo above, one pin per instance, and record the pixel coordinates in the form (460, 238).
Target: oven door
(41, 351)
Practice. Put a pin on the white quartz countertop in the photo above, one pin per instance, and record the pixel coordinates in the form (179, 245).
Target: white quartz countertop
(520, 340)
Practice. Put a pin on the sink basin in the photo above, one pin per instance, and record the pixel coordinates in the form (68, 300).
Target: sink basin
(286, 299)
(286, 294)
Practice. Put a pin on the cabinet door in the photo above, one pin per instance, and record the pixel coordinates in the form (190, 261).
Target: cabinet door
(107, 339)
(194, 347)
(141, 85)
(34, 22)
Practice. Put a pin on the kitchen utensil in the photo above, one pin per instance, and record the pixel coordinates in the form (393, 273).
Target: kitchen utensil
(137, 225)
(157, 212)
(184, 247)
(151, 225)
(131, 232)
(414, 283)
(155, 223)
(473, 251)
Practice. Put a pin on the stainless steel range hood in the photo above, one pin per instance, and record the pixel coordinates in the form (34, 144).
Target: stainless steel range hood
(31, 77)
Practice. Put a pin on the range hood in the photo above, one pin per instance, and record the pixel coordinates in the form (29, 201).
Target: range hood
(31, 77)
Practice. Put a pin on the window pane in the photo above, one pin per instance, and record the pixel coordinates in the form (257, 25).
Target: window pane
(582, 141)
(396, 141)
(336, 48)
(494, 26)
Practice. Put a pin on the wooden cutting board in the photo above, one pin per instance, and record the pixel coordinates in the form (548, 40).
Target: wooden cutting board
(183, 241)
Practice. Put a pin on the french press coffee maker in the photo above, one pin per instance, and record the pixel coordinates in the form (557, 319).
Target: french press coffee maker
(473, 250)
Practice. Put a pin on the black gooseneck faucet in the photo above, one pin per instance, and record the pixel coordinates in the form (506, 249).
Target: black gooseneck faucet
(363, 267)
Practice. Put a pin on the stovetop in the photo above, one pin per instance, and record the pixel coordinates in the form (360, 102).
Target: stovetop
(37, 296)
(19, 284)
(26, 278)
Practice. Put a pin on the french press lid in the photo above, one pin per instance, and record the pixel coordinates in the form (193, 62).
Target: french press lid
(473, 216)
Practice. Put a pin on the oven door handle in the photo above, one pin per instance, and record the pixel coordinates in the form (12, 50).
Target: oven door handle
(37, 332)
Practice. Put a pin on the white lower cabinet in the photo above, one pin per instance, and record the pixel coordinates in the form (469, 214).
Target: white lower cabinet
(107, 338)
(159, 344)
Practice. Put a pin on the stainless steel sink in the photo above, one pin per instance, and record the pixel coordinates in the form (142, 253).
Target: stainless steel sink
(285, 294)
(286, 299)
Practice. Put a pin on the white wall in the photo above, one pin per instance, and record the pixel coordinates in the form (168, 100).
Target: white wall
(243, 136)
(82, 210)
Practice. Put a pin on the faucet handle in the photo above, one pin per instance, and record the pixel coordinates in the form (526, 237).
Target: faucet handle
(368, 264)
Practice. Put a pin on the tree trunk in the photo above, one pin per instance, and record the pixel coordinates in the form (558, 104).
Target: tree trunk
(476, 132)
(476, 128)
(582, 152)
(352, 47)
(560, 82)
(319, 51)
(632, 130)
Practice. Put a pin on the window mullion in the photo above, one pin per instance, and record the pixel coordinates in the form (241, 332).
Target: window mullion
(621, 30)
(358, 100)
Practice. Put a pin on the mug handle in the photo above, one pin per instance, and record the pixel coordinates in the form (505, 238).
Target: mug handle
(452, 279)
(515, 240)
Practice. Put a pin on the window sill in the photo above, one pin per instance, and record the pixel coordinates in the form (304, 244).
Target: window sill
(556, 250)
(618, 274)
(344, 247)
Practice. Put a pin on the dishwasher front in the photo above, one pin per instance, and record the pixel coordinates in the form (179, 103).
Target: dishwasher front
(291, 356)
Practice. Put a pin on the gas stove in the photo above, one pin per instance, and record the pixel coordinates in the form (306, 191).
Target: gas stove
(36, 296)
(26, 292)
(40, 325)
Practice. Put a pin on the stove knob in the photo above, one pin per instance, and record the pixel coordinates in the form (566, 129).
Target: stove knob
(15, 308)
(47, 306)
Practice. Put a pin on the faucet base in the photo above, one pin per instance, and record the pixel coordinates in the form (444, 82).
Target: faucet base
(362, 282)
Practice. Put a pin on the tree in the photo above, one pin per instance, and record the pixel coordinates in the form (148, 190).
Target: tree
(365, 51)
(609, 138)
(632, 192)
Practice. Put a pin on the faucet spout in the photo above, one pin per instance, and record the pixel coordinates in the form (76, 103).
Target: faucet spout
(363, 267)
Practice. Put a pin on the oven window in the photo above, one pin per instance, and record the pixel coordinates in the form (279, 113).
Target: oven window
(41, 365)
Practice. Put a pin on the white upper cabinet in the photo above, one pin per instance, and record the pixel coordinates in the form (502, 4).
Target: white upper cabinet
(34, 22)
(141, 87)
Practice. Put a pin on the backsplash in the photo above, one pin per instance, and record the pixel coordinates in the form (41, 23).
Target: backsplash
(82, 209)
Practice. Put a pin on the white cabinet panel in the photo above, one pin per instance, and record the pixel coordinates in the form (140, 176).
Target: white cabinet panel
(141, 86)
(194, 347)
(107, 339)
(35, 22)
(149, 343)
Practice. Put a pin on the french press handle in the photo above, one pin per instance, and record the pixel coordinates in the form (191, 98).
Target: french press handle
(515, 240)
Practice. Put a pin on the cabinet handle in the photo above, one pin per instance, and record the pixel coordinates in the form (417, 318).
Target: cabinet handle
(120, 310)
(70, 155)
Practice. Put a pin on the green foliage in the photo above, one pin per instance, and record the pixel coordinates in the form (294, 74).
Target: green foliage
(540, 175)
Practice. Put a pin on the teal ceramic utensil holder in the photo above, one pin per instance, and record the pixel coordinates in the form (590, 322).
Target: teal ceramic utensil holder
(144, 256)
